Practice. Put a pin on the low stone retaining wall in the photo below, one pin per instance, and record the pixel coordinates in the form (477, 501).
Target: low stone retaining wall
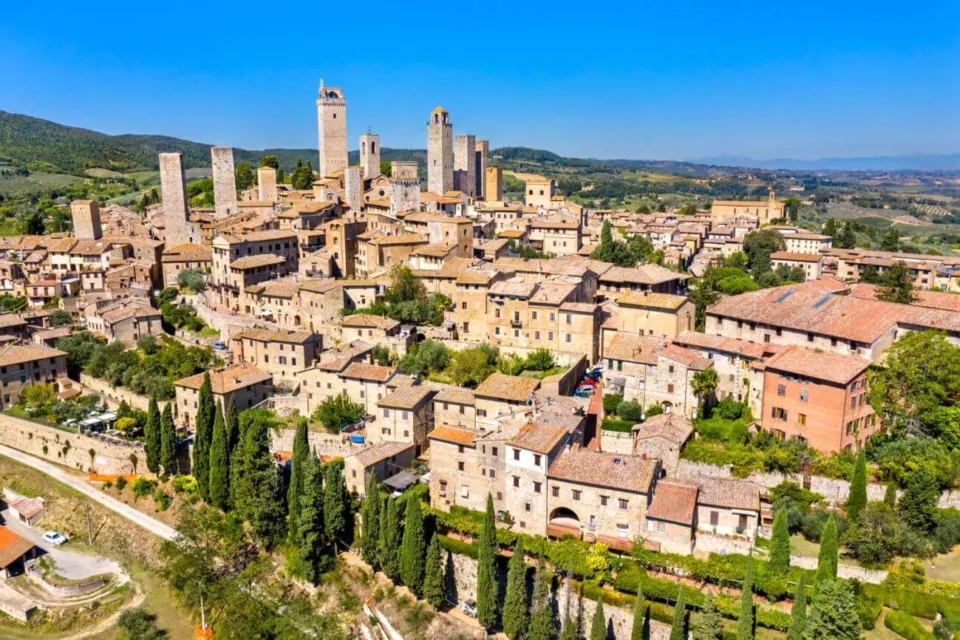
(325, 444)
(70, 449)
(35, 573)
(847, 571)
(114, 395)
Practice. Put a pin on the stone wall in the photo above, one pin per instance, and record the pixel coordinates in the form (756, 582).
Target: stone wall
(114, 395)
(616, 442)
(71, 590)
(848, 571)
(325, 444)
(69, 449)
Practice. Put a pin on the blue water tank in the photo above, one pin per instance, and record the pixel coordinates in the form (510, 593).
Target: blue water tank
(356, 439)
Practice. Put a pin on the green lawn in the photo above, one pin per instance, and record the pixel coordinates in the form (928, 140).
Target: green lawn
(800, 546)
(945, 567)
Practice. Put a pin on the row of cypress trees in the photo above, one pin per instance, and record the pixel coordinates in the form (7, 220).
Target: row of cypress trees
(160, 440)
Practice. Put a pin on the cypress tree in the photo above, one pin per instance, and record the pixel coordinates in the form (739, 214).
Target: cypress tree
(780, 543)
(890, 496)
(335, 503)
(598, 626)
(392, 537)
(745, 628)
(918, 504)
(151, 436)
(827, 560)
(487, 570)
(301, 451)
(678, 631)
(798, 613)
(382, 533)
(434, 587)
(233, 424)
(515, 607)
(203, 437)
(370, 512)
(710, 626)
(168, 443)
(636, 631)
(237, 470)
(309, 531)
(542, 625)
(219, 464)
(858, 488)
(833, 613)
(413, 548)
(569, 630)
(260, 495)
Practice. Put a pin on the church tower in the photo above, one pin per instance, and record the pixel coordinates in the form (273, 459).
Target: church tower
(439, 152)
(370, 155)
(332, 123)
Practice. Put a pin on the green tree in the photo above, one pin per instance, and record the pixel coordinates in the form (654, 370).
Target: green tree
(233, 424)
(259, 496)
(219, 463)
(896, 285)
(890, 496)
(413, 548)
(301, 451)
(244, 176)
(59, 318)
(203, 437)
(827, 560)
(370, 514)
(745, 626)
(487, 569)
(336, 503)
(337, 412)
(434, 587)
(309, 530)
(704, 387)
(709, 626)
(791, 206)
(639, 609)
(858, 487)
(542, 625)
(890, 241)
(798, 612)
(874, 536)
(780, 543)
(833, 613)
(515, 607)
(758, 246)
(168, 442)
(598, 625)
(302, 177)
(269, 161)
(151, 436)
(391, 538)
(678, 631)
(918, 504)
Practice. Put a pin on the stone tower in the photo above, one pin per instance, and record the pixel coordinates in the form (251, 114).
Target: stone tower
(404, 170)
(353, 187)
(267, 184)
(404, 195)
(370, 155)
(493, 189)
(483, 150)
(439, 152)
(465, 164)
(173, 190)
(224, 181)
(86, 219)
(332, 123)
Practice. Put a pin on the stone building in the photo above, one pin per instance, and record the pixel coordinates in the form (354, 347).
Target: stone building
(662, 437)
(482, 153)
(812, 264)
(502, 396)
(465, 164)
(765, 211)
(280, 353)
(86, 219)
(224, 181)
(182, 257)
(245, 383)
(363, 326)
(386, 459)
(370, 155)
(266, 186)
(173, 188)
(672, 517)
(539, 192)
(439, 152)
(493, 187)
(406, 415)
(728, 507)
(239, 261)
(332, 126)
(22, 365)
(528, 455)
(125, 322)
(560, 235)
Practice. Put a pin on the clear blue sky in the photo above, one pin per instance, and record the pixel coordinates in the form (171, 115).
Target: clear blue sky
(616, 79)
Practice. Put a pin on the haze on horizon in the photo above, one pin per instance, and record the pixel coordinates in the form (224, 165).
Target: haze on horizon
(683, 82)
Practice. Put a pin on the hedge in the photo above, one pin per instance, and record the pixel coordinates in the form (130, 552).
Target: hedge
(458, 546)
(613, 424)
(898, 579)
(868, 608)
(906, 626)
(915, 603)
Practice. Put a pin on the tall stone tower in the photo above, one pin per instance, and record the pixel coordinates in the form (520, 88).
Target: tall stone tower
(332, 123)
(173, 190)
(224, 181)
(404, 170)
(493, 189)
(267, 184)
(404, 195)
(483, 150)
(465, 164)
(439, 152)
(370, 155)
(86, 219)
(353, 187)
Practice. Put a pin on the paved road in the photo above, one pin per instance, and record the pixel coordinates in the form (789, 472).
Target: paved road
(150, 524)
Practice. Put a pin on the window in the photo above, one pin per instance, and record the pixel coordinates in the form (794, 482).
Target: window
(801, 418)
(569, 338)
(516, 482)
(536, 459)
(622, 531)
(778, 413)
(669, 388)
(443, 487)
(526, 507)
(576, 494)
(555, 492)
(714, 518)
(465, 491)
(603, 501)
(386, 413)
(853, 402)
(482, 413)
(670, 369)
(494, 450)
(623, 503)
(460, 448)
(516, 454)
(804, 395)
(661, 527)
(781, 389)
(493, 474)
(537, 486)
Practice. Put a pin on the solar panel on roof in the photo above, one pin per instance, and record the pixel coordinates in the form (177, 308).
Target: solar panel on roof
(783, 296)
(819, 303)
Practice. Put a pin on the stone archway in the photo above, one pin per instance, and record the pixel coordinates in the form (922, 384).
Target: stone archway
(564, 522)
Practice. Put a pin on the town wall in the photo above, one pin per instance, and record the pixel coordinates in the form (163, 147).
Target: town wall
(114, 395)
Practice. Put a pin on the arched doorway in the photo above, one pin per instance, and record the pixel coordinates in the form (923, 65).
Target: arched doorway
(666, 406)
(563, 522)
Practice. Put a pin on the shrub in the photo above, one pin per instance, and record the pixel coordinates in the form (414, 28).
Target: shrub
(611, 402)
(869, 608)
(906, 626)
(163, 499)
(121, 483)
(630, 411)
(459, 547)
(540, 360)
(142, 487)
(612, 424)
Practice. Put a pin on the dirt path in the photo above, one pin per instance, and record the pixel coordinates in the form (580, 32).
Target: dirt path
(111, 622)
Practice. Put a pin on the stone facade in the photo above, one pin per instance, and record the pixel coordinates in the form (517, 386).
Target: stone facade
(86, 220)
(370, 155)
(112, 395)
(173, 190)
(482, 153)
(267, 184)
(493, 184)
(332, 126)
(404, 170)
(439, 152)
(404, 195)
(224, 181)
(465, 164)
(353, 187)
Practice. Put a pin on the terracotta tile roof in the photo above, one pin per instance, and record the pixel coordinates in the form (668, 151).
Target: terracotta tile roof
(514, 287)
(188, 252)
(20, 353)
(12, 547)
(795, 257)
(672, 427)
(649, 274)
(685, 356)
(743, 348)
(368, 321)
(455, 266)
(640, 349)
(553, 293)
(454, 435)
(338, 358)
(479, 274)
(674, 501)
(930, 299)
(434, 250)
(456, 395)
(729, 493)
(616, 471)
(126, 312)
(538, 437)
(555, 222)
(227, 379)
(512, 234)
(372, 372)
(821, 365)
(251, 262)
(652, 300)
(579, 307)
(407, 397)
(27, 507)
(11, 320)
(500, 386)
(380, 452)
(266, 335)
(403, 238)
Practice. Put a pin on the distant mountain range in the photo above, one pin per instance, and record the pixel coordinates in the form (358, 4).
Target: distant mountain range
(915, 162)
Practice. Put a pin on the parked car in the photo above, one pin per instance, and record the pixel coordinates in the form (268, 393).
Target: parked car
(54, 538)
(587, 389)
(219, 346)
(469, 607)
(589, 382)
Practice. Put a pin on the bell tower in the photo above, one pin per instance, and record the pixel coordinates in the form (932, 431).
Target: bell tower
(332, 125)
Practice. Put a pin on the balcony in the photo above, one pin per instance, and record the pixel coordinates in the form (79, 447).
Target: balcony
(516, 322)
